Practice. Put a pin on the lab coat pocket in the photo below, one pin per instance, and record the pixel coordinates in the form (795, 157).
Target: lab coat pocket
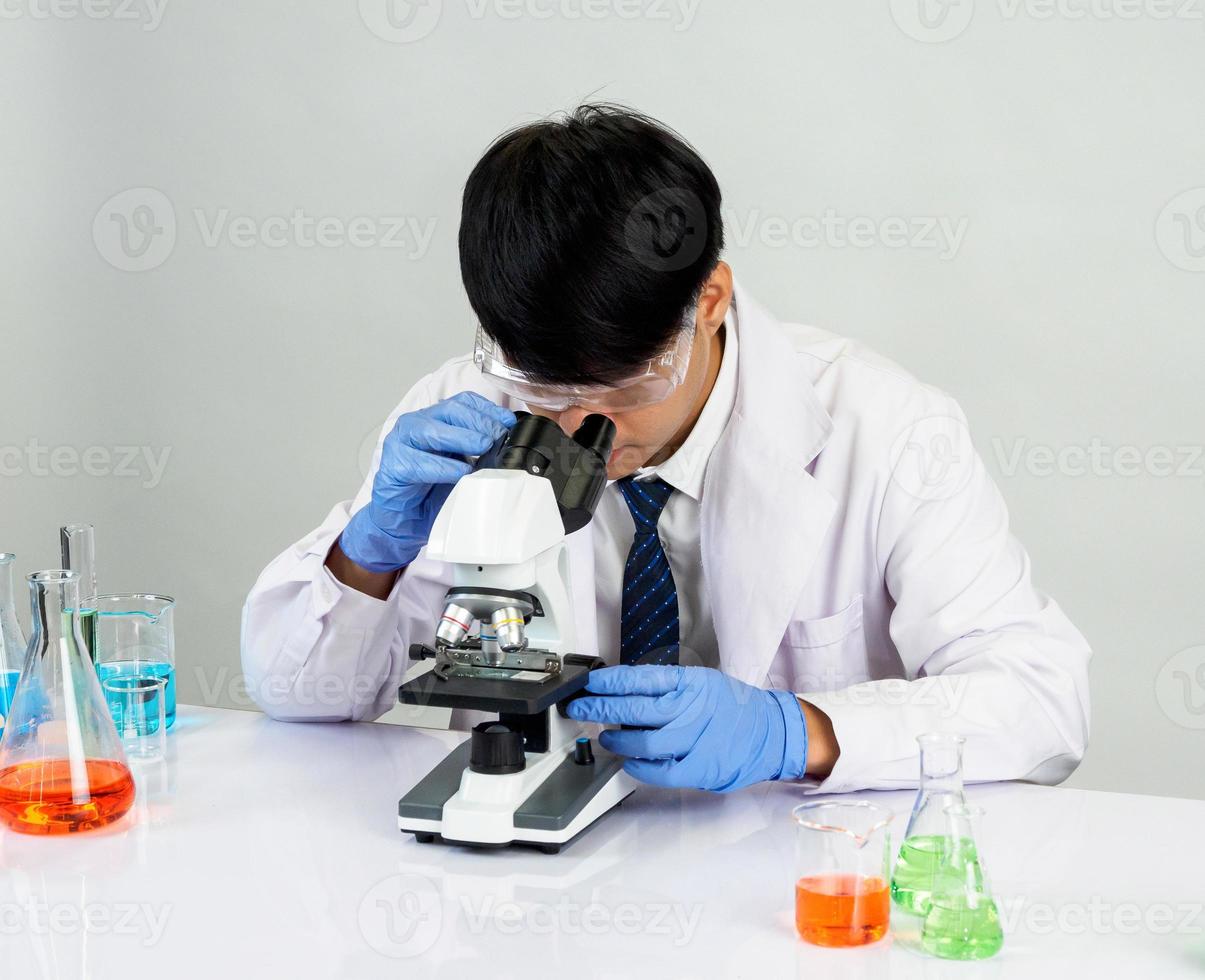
(824, 654)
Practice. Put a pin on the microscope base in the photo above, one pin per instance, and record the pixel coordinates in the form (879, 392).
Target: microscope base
(547, 804)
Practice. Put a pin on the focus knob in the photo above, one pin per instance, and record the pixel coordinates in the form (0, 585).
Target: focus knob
(496, 750)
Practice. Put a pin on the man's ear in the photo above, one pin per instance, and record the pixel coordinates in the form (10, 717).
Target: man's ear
(715, 299)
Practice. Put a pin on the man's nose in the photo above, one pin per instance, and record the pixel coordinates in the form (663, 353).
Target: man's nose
(571, 418)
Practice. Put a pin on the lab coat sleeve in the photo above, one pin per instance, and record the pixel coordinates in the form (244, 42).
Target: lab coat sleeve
(987, 655)
(314, 649)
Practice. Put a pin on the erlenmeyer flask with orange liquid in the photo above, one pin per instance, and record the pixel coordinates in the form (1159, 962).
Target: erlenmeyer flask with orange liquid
(62, 768)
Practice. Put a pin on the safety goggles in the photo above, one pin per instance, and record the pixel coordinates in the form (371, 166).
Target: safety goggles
(653, 384)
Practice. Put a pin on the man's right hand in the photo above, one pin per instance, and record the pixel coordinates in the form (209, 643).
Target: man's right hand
(421, 459)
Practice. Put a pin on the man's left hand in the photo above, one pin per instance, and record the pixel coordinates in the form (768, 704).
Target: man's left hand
(699, 727)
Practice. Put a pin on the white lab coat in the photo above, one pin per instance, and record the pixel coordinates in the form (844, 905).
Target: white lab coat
(854, 549)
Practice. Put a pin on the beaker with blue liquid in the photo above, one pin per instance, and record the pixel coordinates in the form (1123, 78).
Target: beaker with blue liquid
(135, 638)
(12, 640)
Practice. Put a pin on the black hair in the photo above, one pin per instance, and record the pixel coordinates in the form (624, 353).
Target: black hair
(584, 239)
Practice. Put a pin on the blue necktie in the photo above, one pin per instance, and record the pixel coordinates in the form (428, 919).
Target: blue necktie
(648, 627)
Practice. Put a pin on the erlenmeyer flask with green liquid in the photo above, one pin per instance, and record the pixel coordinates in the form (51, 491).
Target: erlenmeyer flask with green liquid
(921, 858)
(963, 922)
(62, 767)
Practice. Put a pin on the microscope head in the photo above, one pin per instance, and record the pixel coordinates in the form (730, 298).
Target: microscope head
(530, 489)
(576, 467)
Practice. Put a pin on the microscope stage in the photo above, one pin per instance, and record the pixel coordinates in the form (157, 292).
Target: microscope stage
(510, 696)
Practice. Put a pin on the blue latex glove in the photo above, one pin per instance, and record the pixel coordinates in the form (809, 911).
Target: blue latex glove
(421, 460)
(701, 728)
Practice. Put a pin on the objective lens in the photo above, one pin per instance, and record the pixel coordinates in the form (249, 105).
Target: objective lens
(454, 624)
(508, 626)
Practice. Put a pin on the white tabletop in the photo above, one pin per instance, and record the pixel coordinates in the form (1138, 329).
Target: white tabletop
(269, 849)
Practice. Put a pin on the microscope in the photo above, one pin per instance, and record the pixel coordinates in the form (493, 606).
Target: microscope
(505, 644)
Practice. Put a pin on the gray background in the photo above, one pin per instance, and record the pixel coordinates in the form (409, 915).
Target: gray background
(1069, 140)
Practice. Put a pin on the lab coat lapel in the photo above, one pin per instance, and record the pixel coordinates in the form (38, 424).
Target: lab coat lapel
(763, 515)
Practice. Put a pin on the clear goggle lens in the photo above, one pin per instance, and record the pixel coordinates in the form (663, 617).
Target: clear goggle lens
(655, 383)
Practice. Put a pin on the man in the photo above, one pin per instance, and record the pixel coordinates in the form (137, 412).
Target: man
(798, 532)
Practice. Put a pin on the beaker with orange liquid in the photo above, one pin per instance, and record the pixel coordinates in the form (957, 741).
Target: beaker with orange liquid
(62, 767)
(842, 872)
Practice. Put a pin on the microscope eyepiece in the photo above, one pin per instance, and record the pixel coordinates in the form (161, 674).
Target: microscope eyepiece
(596, 433)
(576, 467)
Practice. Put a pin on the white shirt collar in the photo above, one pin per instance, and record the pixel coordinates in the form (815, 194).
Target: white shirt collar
(684, 470)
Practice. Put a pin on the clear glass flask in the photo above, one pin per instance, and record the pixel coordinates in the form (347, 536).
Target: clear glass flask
(842, 855)
(135, 637)
(920, 858)
(963, 922)
(77, 544)
(62, 768)
(138, 707)
(12, 640)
